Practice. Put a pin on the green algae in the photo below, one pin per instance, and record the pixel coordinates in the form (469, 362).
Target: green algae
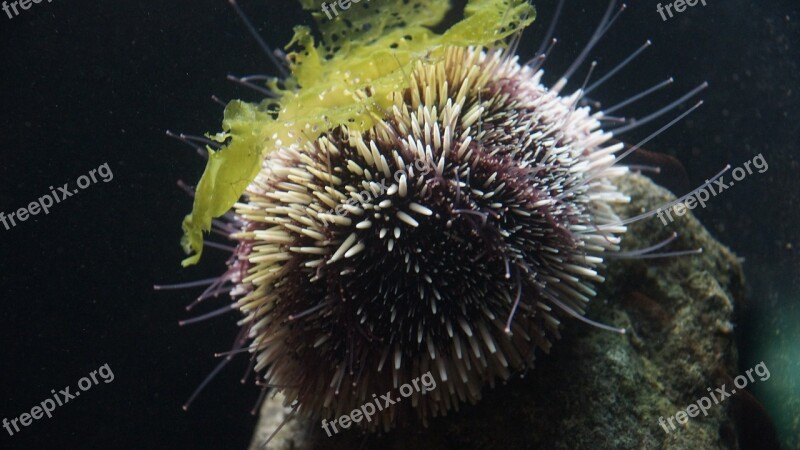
(349, 78)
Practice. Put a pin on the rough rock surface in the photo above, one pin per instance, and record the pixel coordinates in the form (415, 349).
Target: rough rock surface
(599, 389)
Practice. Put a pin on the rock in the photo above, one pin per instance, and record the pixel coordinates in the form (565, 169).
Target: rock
(599, 389)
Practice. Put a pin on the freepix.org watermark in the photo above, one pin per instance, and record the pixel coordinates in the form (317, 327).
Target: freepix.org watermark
(679, 5)
(719, 395)
(701, 196)
(60, 398)
(385, 401)
(342, 4)
(23, 4)
(43, 203)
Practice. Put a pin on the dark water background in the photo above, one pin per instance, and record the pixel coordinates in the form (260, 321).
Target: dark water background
(84, 84)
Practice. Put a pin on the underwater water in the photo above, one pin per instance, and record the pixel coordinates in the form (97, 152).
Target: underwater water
(93, 356)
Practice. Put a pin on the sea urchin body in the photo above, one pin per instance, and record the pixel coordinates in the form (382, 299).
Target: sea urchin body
(486, 217)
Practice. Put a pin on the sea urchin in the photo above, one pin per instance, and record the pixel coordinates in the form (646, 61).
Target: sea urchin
(455, 270)
(448, 235)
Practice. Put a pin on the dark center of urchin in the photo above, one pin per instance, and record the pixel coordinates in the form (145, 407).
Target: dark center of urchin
(440, 240)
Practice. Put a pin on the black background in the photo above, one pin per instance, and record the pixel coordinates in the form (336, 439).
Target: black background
(84, 84)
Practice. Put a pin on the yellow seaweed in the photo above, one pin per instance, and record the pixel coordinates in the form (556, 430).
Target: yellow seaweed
(347, 79)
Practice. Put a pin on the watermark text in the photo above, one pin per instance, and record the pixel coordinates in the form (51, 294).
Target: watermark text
(43, 203)
(701, 196)
(367, 410)
(60, 398)
(679, 5)
(23, 4)
(718, 395)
